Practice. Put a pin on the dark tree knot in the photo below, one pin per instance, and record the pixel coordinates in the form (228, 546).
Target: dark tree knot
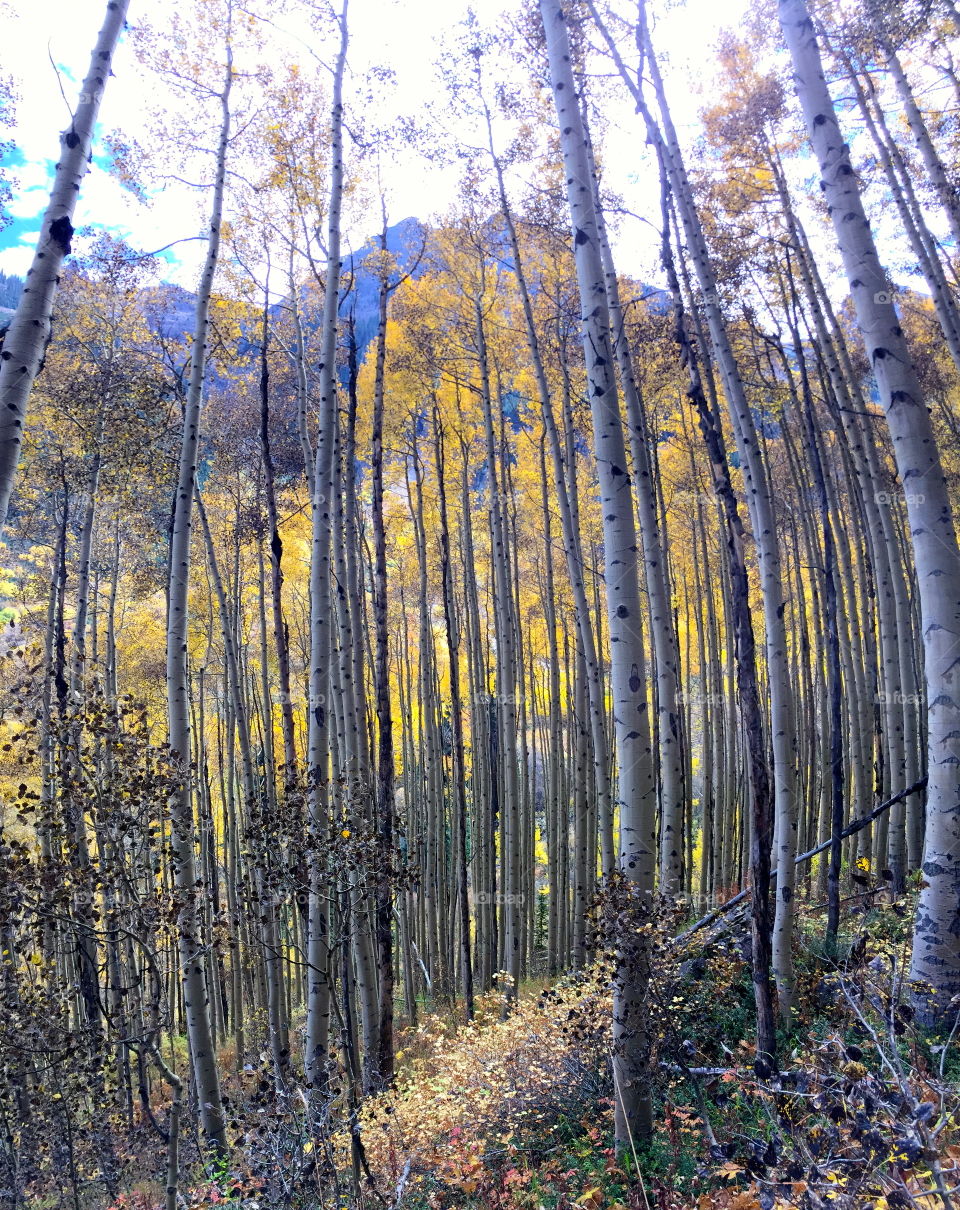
(61, 232)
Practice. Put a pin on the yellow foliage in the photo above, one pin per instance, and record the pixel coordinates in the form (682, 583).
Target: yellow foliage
(493, 1076)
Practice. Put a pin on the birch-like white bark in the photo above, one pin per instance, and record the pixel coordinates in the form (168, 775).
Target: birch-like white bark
(621, 573)
(936, 953)
(191, 949)
(26, 341)
(321, 615)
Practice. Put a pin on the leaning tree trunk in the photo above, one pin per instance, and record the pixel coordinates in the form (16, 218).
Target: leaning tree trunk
(944, 189)
(760, 506)
(628, 680)
(663, 631)
(191, 948)
(936, 952)
(385, 789)
(29, 334)
(321, 615)
(571, 537)
(900, 181)
(744, 644)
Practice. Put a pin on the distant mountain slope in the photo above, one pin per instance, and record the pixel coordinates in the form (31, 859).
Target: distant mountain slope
(404, 242)
(170, 308)
(11, 288)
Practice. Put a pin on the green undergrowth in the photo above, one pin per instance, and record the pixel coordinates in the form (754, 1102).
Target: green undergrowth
(865, 1109)
(517, 1114)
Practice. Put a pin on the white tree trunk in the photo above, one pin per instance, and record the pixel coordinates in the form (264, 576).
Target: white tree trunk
(321, 613)
(571, 537)
(26, 341)
(191, 949)
(673, 793)
(936, 953)
(621, 572)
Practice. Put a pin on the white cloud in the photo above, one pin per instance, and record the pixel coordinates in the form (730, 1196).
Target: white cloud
(402, 34)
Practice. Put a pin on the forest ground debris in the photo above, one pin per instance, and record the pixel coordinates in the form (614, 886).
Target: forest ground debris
(518, 1113)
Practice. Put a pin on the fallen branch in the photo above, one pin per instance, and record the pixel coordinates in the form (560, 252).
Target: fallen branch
(857, 826)
(681, 1070)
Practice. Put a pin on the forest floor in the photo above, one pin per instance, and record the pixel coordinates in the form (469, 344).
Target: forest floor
(517, 1112)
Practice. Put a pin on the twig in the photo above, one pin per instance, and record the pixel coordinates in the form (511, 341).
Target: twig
(626, 1120)
(401, 1184)
(857, 826)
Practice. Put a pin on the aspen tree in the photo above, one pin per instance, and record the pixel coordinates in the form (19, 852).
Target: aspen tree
(483, 781)
(945, 191)
(323, 502)
(901, 185)
(740, 623)
(831, 609)
(897, 687)
(270, 947)
(508, 672)
(430, 799)
(452, 626)
(29, 334)
(281, 635)
(760, 504)
(571, 536)
(385, 797)
(936, 952)
(195, 991)
(662, 625)
(628, 660)
(353, 768)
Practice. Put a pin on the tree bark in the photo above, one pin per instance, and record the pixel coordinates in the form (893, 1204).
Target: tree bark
(195, 990)
(321, 612)
(30, 329)
(936, 953)
(628, 662)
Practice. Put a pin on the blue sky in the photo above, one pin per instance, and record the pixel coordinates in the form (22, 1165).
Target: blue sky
(381, 31)
(35, 38)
